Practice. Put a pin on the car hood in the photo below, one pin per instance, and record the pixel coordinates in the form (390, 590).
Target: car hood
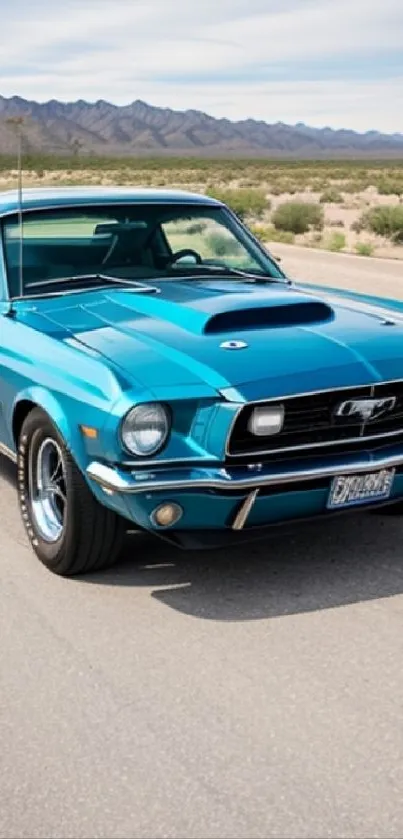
(245, 340)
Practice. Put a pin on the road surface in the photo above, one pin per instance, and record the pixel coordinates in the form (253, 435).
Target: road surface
(251, 693)
(381, 277)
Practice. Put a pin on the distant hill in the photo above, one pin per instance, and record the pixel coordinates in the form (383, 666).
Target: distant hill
(139, 129)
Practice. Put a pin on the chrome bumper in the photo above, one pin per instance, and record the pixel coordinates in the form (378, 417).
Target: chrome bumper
(234, 478)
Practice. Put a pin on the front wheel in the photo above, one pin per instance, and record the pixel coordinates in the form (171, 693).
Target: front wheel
(71, 533)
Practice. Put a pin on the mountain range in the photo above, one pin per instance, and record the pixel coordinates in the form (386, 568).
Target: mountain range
(102, 128)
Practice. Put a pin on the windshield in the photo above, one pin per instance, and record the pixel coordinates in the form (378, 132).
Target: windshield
(139, 242)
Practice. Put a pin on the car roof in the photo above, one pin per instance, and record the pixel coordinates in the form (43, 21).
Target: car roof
(42, 198)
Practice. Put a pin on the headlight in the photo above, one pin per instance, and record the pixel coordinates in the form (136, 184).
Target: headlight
(266, 421)
(145, 429)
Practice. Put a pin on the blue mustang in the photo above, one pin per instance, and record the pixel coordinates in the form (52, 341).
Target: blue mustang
(157, 367)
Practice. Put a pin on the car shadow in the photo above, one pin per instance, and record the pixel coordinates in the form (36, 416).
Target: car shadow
(325, 565)
(304, 569)
(8, 470)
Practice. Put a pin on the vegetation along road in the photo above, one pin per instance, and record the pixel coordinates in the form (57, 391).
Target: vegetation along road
(253, 692)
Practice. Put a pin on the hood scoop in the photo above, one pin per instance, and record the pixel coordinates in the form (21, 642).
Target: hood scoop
(266, 317)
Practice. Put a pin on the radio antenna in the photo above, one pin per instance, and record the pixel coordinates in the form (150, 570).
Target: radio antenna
(17, 123)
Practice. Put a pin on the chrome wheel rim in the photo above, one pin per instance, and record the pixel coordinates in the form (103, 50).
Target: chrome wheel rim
(47, 480)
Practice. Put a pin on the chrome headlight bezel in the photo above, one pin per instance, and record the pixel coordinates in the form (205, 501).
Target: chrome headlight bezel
(138, 416)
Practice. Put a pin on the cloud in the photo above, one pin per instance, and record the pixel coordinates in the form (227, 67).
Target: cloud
(317, 61)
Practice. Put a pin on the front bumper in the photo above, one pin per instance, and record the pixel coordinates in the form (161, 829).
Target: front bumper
(236, 497)
(234, 477)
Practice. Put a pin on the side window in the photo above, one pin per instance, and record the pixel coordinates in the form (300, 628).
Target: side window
(213, 241)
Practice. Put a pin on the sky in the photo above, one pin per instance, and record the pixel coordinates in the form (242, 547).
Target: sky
(323, 62)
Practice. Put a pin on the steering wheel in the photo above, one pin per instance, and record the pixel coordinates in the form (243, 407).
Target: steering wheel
(184, 252)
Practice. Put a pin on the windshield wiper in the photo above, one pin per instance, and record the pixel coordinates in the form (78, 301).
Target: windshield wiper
(104, 278)
(248, 276)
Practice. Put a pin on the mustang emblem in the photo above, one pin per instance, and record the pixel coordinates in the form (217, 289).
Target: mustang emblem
(366, 409)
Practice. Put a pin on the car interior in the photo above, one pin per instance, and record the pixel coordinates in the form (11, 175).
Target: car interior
(47, 258)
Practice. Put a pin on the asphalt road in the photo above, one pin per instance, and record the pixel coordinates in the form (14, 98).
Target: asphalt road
(381, 277)
(251, 693)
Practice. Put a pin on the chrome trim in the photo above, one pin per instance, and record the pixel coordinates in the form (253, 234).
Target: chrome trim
(312, 392)
(285, 399)
(243, 513)
(6, 452)
(47, 489)
(367, 409)
(172, 461)
(168, 416)
(222, 479)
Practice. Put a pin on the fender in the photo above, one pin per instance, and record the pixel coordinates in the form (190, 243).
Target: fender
(69, 431)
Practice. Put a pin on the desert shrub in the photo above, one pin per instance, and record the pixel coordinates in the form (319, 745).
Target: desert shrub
(196, 228)
(364, 248)
(319, 185)
(388, 187)
(247, 183)
(336, 242)
(298, 217)
(385, 221)
(331, 196)
(268, 233)
(72, 181)
(244, 202)
(355, 187)
(285, 237)
(258, 230)
(285, 187)
(291, 188)
(315, 240)
(358, 226)
(221, 245)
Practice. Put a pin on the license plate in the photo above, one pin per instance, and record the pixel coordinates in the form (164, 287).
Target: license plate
(348, 490)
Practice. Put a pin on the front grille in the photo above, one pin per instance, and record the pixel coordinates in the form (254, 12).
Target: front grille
(310, 421)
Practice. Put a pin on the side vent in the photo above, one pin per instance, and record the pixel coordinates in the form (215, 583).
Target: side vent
(269, 317)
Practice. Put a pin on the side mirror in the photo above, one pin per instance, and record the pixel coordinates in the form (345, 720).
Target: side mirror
(186, 260)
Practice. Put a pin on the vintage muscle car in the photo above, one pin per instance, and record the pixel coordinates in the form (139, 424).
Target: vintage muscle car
(159, 371)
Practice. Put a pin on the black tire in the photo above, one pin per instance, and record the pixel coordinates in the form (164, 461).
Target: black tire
(91, 535)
